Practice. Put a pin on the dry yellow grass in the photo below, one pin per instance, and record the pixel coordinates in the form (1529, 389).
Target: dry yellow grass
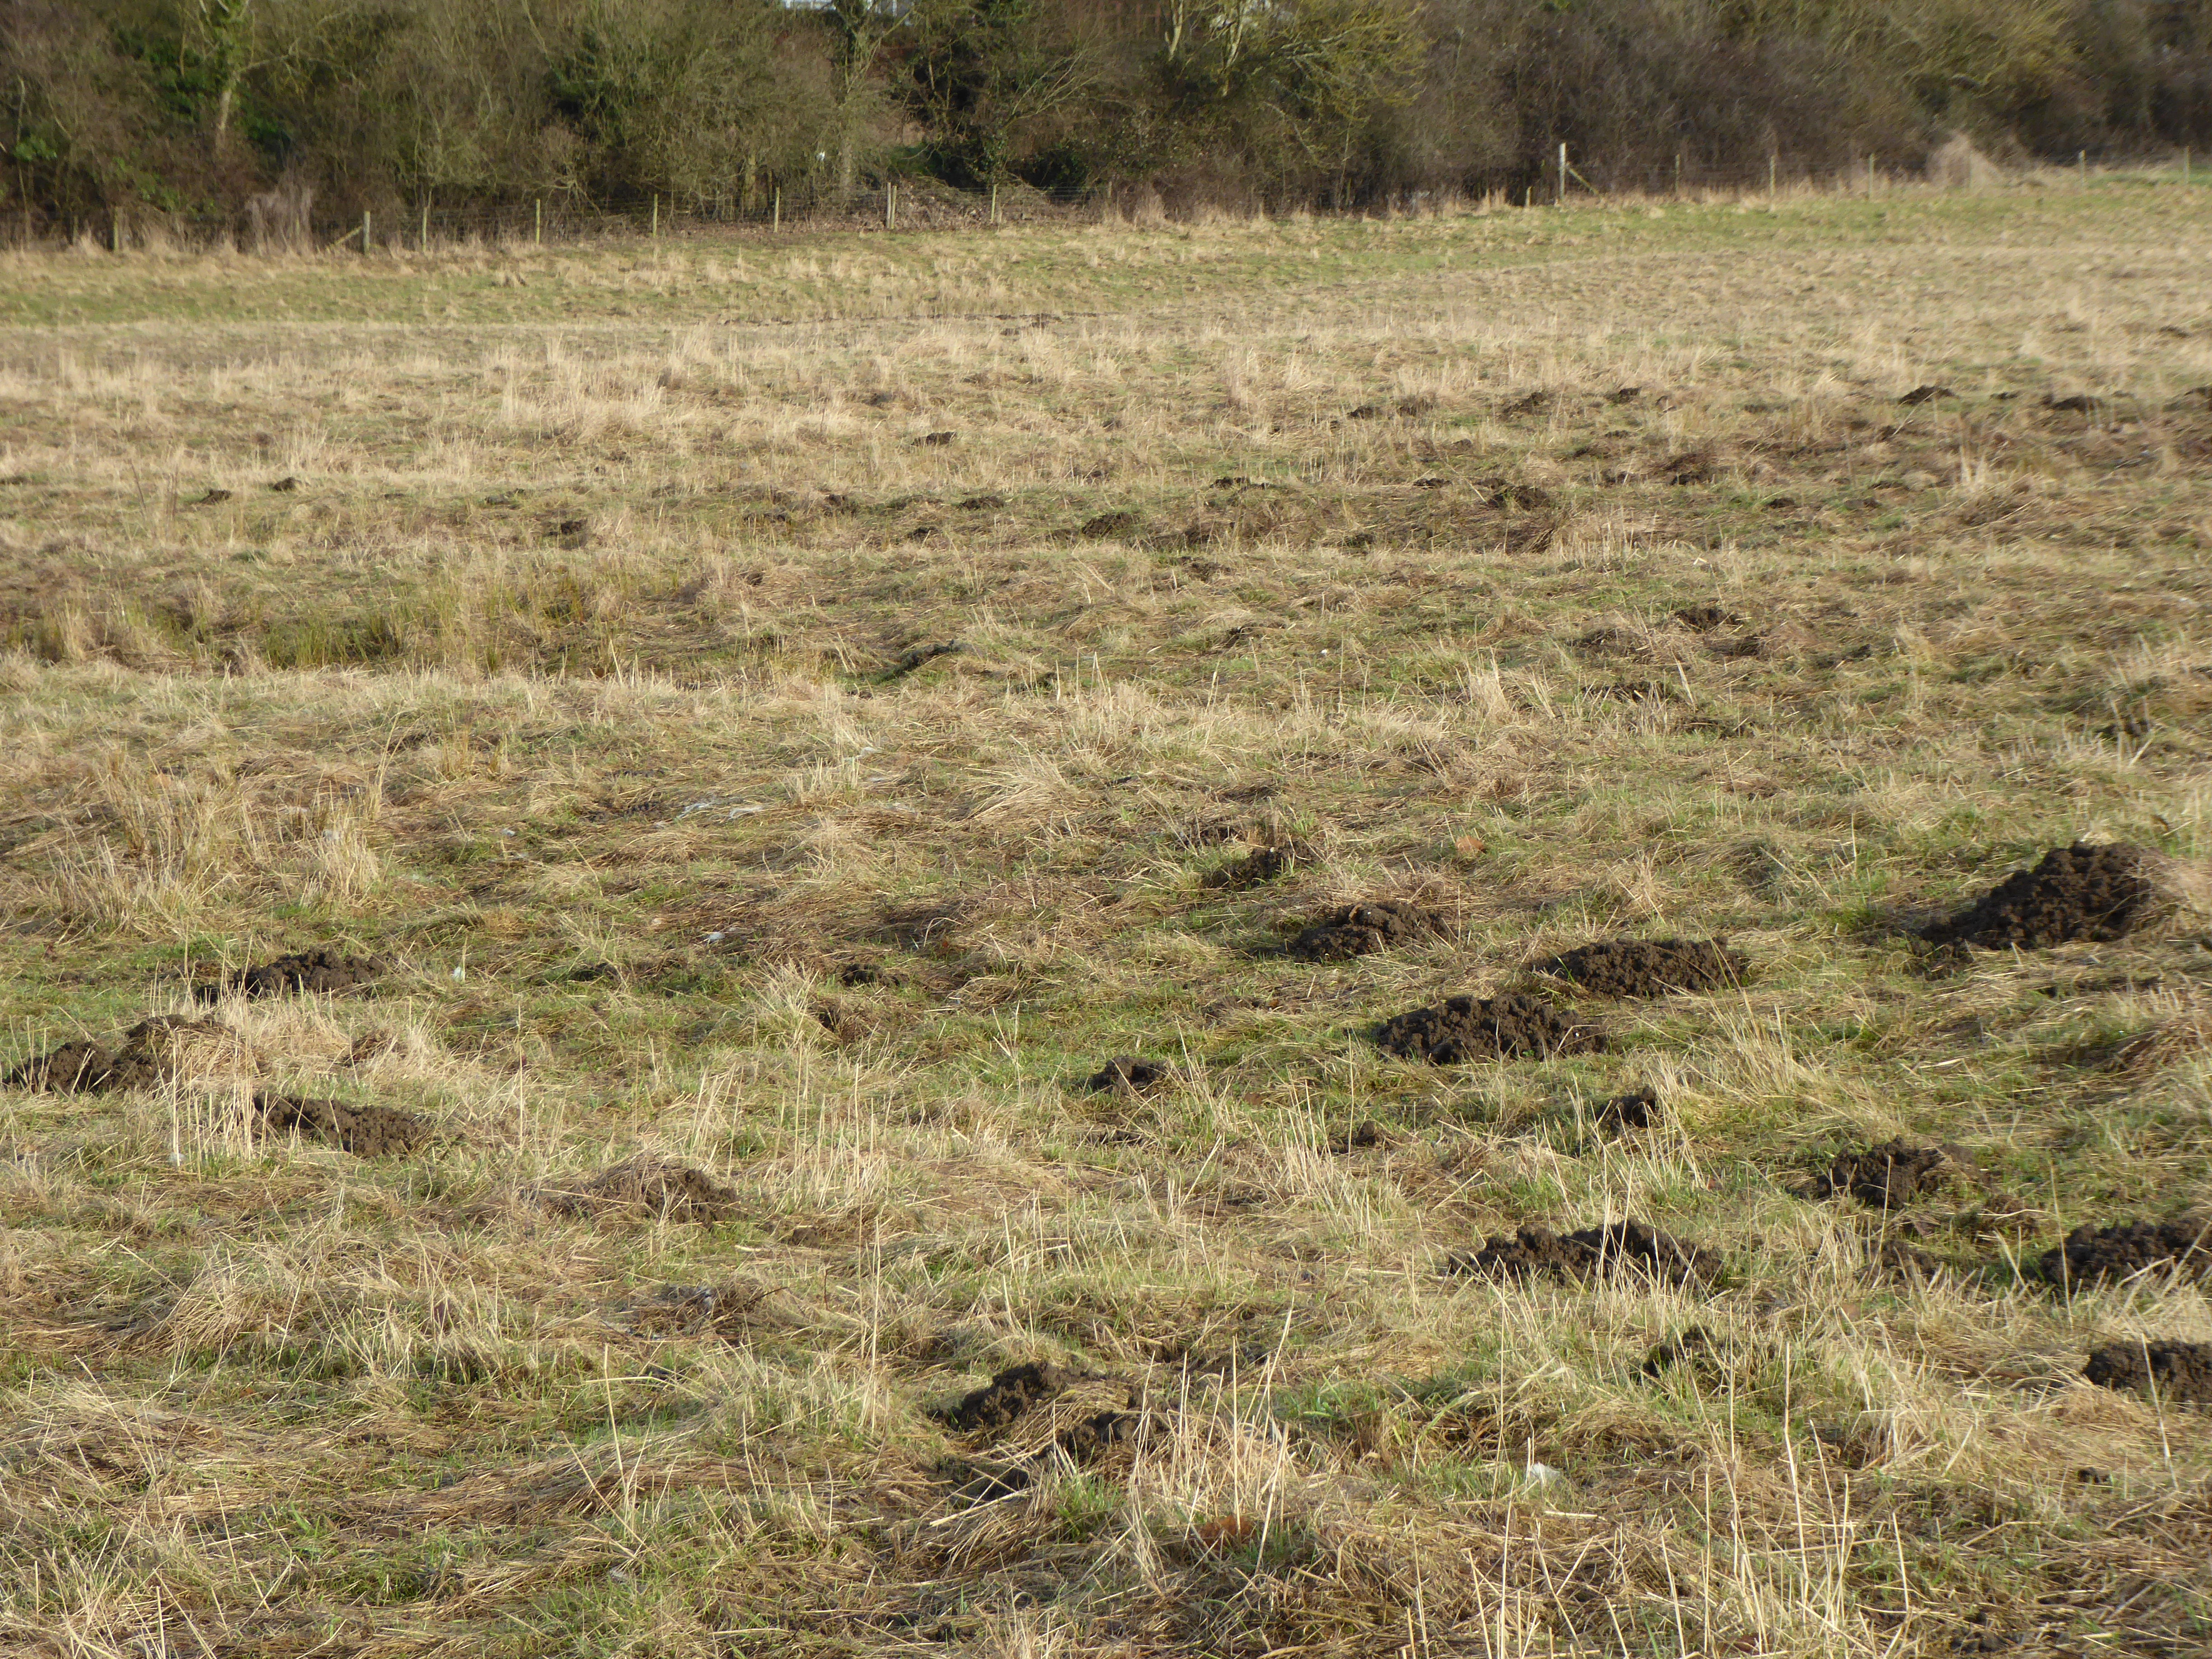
(789, 710)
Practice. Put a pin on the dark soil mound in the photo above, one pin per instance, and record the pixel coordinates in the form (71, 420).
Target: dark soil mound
(2092, 1254)
(1354, 930)
(1650, 968)
(649, 1186)
(1095, 1436)
(1128, 1074)
(319, 971)
(1637, 1109)
(1902, 1260)
(364, 1130)
(2077, 892)
(1110, 523)
(1462, 1028)
(1593, 1252)
(996, 1406)
(1364, 1136)
(2175, 1373)
(69, 1067)
(1265, 865)
(1705, 617)
(1884, 1177)
(1697, 1347)
(166, 1048)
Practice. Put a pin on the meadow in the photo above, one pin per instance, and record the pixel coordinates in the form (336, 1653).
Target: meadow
(865, 800)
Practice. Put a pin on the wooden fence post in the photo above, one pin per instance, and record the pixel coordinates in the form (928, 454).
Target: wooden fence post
(775, 212)
(1563, 176)
(364, 233)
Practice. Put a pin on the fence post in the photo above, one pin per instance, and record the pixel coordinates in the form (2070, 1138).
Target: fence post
(537, 221)
(1769, 178)
(995, 190)
(364, 233)
(1678, 175)
(2084, 169)
(891, 205)
(775, 212)
(656, 215)
(1563, 176)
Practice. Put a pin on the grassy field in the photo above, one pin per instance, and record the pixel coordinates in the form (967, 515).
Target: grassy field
(783, 716)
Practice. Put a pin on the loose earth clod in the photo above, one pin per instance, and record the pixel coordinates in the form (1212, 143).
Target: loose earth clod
(2173, 1373)
(2078, 892)
(1355, 930)
(1462, 1028)
(1590, 1253)
(1650, 968)
(364, 1130)
(2092, 1256)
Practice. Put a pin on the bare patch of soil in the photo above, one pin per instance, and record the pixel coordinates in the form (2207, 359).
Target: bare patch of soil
(1704, 618)
(921, 654)
(1650, 968)
(2175, 1372)
(2092, 1255)
(364, 1130)
(1110, 523)
(1002, 1402)
(1265, 864)
(320, 970)
(1365, 1136)
(1091, 1438)
(1462, 1028)
(1696, 1347)
(1694, 467)
(2078, 892)
(1902, 1260)
(1884, 1177)
(648, 1186)
(1637, 1109)
(1355, 930)
(168, 1048)
(1129, 1074)
(1591, 1253)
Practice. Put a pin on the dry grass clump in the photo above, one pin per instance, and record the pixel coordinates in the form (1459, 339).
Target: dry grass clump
(836, 892)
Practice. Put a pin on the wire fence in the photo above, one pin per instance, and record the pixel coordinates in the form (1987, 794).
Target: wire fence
(929, 204)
